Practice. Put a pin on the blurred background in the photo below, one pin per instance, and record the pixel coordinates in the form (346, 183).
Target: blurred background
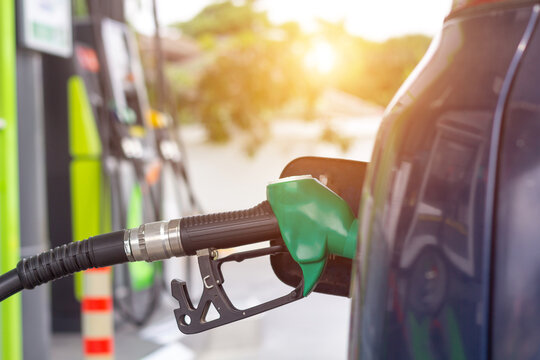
(170, 108)
(261, 82)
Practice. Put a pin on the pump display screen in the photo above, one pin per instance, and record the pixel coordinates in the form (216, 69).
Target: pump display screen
(124, 67)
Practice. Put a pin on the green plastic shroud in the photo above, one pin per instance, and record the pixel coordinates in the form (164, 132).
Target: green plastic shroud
(10, 309)
(88, 188)
(314, 222)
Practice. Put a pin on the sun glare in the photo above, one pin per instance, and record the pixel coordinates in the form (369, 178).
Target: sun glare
(321, 57)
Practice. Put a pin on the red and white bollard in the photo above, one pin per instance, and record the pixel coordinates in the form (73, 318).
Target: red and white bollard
(97, 315)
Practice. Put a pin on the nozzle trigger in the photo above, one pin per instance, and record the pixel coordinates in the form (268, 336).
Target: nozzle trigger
(192, 320)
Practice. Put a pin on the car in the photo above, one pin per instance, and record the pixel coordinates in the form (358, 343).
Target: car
(448, 259)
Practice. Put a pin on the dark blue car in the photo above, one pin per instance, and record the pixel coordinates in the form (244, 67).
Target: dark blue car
(448, 263)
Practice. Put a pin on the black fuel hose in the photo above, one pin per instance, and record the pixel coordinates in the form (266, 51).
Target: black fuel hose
(10, 284)
(149, 242)
(99, 251)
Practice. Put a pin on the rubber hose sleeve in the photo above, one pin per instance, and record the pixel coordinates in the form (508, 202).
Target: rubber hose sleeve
(229, 229)
(99, 251)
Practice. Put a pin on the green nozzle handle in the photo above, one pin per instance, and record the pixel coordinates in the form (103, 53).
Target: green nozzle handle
(314, 222)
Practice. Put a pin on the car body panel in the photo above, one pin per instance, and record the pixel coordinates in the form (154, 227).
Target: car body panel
(421, 282)
(516, 293)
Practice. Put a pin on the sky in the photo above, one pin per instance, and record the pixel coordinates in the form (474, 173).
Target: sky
(374, 20)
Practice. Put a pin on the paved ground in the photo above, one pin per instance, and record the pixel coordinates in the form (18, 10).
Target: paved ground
(225, 179)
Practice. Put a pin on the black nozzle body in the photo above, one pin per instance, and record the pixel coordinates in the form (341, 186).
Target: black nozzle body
(229, 229)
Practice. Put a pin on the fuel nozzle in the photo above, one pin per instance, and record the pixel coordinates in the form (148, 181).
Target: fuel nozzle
(312, 220)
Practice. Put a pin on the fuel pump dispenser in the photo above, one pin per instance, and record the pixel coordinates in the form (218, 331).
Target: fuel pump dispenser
(114, 160)
(302, 218)
(111, 154)
(135, 169)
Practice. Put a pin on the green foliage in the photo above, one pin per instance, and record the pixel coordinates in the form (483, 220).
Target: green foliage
(254, 69)
(377, 70)
(249, 78)
(225, 18)
(251, 68)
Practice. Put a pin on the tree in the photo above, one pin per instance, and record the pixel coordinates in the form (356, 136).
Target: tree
(253, 67)
(225, 18)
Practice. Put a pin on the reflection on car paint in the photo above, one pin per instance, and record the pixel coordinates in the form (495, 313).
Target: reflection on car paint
(444, 211)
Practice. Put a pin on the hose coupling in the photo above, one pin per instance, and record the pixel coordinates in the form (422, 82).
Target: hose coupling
(154, 241)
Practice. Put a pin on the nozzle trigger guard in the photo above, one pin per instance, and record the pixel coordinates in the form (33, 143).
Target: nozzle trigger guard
(192, 320)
